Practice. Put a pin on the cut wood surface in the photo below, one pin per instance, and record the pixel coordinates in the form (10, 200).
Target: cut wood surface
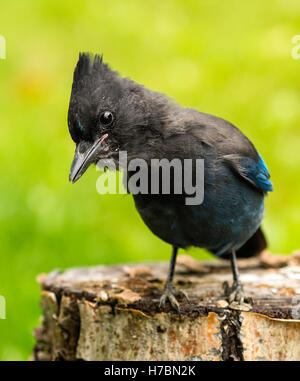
(112, 313)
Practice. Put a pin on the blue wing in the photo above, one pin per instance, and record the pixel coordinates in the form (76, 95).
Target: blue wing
(254, 171)
(260, 175)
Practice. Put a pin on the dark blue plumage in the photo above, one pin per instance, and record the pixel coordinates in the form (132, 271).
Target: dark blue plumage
(108, 113)
(261, 176)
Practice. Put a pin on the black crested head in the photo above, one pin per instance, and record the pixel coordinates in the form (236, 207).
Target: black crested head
(108, 113)
(95, 89)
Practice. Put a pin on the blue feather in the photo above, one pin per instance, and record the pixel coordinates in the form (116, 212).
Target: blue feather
(80, 125)
(259, 174)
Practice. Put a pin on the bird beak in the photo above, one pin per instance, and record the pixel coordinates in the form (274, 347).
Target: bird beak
(84, 156)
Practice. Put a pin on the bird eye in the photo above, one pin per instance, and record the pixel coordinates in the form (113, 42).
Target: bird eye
(106, 118)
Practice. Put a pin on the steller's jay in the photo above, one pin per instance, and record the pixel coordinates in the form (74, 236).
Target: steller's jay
(108, 113)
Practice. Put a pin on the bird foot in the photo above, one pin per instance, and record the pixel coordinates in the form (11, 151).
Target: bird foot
(236, 296)
(171, 294)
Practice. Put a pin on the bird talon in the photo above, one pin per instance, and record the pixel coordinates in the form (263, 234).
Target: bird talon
(171, 294)
(235, 293)
(183, 294)
(236, 297)
(226, 288)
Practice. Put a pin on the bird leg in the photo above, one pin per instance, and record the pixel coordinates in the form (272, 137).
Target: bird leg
(235, 293)
(170, 293)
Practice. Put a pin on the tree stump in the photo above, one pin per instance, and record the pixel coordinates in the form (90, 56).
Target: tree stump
(111, 312)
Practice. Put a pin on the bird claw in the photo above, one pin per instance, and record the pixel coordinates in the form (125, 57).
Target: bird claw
(171, 294)
(236, 297)
(236, 294)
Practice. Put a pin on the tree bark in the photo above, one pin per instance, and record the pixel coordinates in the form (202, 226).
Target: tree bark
(112, 313)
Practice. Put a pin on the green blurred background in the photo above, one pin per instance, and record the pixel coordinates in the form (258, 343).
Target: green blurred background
(232, 59)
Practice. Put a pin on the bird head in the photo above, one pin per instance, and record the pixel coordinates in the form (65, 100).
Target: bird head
(108, 113)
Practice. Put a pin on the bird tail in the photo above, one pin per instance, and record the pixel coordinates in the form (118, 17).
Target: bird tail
(255, 245)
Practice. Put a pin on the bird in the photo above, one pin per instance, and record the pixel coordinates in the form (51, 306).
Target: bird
(109, 113)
